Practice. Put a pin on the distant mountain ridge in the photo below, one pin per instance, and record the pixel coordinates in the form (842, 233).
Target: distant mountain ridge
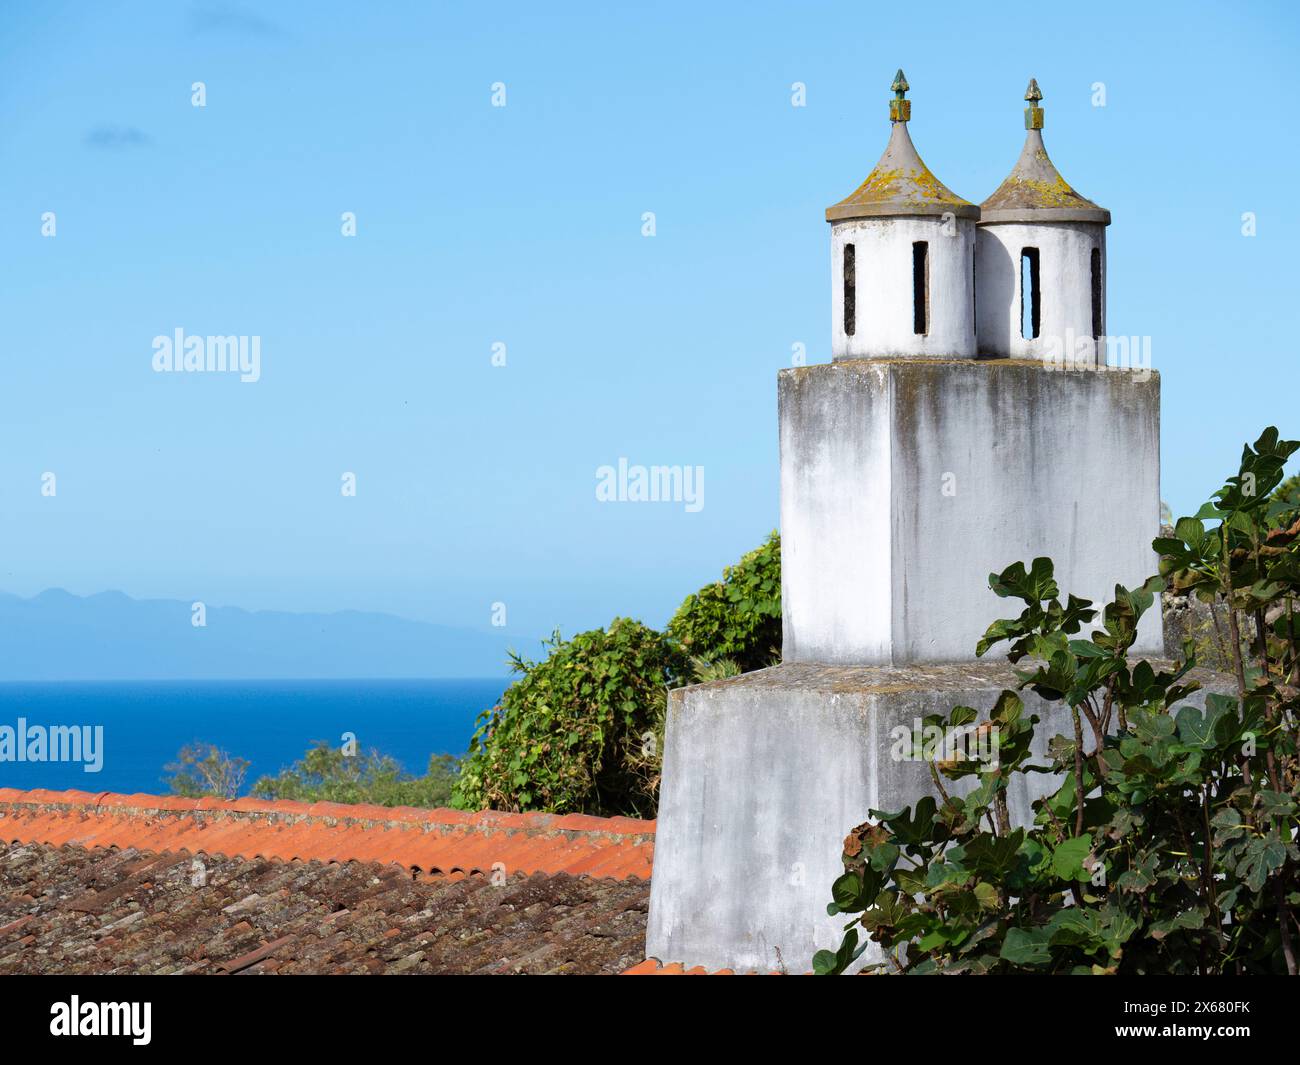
(110, 636)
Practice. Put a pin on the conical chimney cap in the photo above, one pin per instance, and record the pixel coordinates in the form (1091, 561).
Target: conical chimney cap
(901, 183)
(1034, 191)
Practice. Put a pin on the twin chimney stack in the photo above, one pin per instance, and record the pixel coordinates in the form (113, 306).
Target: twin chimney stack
(919, 272)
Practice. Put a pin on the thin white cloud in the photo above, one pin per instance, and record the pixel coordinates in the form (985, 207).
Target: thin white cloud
(117, 138)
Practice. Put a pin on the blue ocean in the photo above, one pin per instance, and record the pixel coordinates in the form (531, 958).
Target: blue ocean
(269, 722)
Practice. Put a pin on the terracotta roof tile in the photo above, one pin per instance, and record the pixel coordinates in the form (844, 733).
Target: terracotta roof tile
(429, 840)
(654, 967)
(93, 882)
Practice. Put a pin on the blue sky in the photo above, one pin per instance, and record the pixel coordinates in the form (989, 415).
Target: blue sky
(522, 225)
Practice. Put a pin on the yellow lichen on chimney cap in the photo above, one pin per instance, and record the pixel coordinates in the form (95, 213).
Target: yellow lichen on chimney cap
(900, 183)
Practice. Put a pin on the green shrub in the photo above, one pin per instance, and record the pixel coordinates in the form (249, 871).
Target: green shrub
(1169, 845)
(582, 730)
(579, 732)
(738, 617)
(326, 774)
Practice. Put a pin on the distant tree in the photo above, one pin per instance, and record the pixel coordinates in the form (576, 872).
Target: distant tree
(1288, 492)
(327, 774)
(323, 774)
(203, 769)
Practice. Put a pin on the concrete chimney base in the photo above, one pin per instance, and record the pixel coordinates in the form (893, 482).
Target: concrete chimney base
(764, 776)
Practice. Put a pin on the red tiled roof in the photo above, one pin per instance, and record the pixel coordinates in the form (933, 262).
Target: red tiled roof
(654, 967)
(429, 841)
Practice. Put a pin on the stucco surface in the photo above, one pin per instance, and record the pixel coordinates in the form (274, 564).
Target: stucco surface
(765, 774)
(884, 326)
(905, 483)
(1065, 290)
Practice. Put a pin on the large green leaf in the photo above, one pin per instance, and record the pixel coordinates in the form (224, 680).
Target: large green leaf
(1067, 859)
(1026, 946)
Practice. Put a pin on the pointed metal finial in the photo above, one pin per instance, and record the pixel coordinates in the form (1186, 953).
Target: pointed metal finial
(900, 110)
(1033, 113)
